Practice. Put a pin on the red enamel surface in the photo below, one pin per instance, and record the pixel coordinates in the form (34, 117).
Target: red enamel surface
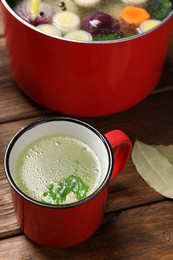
(59, 228)
(85, 79)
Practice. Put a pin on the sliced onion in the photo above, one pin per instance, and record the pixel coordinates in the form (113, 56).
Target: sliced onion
(45, 14)
(49, 29)
(24, 11)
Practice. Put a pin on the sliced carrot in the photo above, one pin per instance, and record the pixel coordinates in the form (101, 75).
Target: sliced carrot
(133, 14)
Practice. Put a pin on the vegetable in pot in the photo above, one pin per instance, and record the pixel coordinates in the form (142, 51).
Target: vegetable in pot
(87, 3)
(66, 21)
(98, 23)
(104, 27)
(49, 28)
(127, 29)
(148, 25)
(134, 2)
(79, 35)
(134, 15)
(34, 12)
(105, 37)
(158, 9)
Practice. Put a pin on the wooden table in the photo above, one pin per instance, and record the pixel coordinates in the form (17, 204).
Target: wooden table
(138, 221)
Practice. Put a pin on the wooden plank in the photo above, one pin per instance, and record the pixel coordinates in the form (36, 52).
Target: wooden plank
(151, 120)
(8, 224)
(4, 66)
(15, 105)
(140, 233)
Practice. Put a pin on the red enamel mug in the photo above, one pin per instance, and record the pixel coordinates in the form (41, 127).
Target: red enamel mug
(84, 78)
(66, 225)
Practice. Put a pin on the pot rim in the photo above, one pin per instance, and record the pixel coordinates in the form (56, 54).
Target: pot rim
(6, 5)
(47, 120)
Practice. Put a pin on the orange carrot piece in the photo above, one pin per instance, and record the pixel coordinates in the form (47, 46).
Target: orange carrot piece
(134, 15)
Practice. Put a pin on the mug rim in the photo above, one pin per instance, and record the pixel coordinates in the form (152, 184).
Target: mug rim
(33, 124)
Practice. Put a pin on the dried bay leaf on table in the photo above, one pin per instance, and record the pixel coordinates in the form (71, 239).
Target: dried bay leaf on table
(166, 150)
(154, 167)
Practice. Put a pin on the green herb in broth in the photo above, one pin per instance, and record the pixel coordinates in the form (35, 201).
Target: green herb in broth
(57, 192)
(158, 9)
(105, 37)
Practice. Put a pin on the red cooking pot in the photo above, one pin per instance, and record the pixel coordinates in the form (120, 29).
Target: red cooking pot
(81, 78)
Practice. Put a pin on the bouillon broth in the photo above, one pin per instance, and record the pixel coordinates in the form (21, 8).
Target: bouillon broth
(58, 169)
(93, 20)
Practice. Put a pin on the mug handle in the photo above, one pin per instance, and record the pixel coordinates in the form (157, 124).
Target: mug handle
(121, 142)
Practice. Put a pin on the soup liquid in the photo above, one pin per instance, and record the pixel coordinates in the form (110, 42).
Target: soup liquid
(52, 159)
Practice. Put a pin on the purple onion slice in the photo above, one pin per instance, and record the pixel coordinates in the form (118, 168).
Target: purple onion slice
(45, 13)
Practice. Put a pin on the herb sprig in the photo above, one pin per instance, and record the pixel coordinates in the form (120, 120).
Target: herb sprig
(57, 192)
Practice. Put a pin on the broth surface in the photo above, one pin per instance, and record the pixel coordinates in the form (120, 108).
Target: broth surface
(52, 159)
(94, 20)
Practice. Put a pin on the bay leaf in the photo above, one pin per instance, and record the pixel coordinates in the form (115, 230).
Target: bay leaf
(166, 150)
(153, 167)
